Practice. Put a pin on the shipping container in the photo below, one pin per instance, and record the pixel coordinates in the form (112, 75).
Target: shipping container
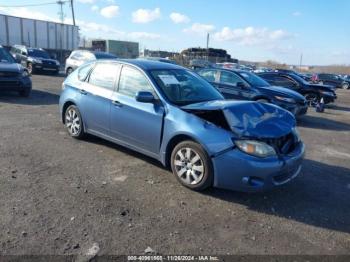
(122, 49)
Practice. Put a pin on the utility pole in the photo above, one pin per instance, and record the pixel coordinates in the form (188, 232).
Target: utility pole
(301, 61)
(207, 46)
(72, 7)
(61, 15)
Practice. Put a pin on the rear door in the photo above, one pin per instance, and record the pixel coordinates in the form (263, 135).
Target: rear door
(137, 124)
(96, 95)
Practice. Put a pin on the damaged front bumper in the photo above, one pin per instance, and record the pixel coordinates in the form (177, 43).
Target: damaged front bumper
(235, 170)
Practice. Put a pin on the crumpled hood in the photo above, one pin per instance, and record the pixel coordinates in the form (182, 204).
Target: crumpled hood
(10, 67)
(250, 119)
(283, 91)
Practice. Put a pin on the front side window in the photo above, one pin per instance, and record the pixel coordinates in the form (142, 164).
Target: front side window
(229, 78)
(183, 87)
(132, 81)
(104, 75)
(284, 81)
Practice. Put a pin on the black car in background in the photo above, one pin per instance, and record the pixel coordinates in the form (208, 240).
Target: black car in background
(243, 85)
(13, 76)
(333, 80)
(312, 92)
(35, 59)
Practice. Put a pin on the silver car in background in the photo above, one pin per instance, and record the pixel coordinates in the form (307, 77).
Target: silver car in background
(79, 57)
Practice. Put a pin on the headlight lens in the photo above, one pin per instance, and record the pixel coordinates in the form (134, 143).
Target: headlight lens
(286, 99)
(37, 61)
(255, 148)
(57, 63)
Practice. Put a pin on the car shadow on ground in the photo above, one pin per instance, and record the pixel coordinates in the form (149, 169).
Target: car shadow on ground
(318, 197)
(339, 108)
(322, 123)
(37, 97)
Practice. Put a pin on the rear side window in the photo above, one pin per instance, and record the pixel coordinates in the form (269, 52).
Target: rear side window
(132, 81)
(209, 75)
(84, 71)
(229, 78)
(104, 75)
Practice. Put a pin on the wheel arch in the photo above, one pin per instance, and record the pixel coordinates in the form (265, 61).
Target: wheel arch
(262, 97)
(64, 108)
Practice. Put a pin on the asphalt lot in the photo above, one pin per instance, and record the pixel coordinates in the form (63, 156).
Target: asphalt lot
(59, 195)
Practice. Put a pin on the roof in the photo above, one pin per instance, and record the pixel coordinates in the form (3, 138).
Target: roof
(150, 64)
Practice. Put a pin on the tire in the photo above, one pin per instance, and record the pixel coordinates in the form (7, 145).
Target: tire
(312, 99)
(345, 86)
(184, 157)
(25, 92)
(30, 68)
(69, 71)
(74, 122)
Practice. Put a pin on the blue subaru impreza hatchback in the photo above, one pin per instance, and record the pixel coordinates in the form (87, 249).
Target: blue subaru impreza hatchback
(170, 113)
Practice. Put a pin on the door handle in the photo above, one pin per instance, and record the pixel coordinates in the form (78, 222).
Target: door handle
(83, 92)
(117, 103)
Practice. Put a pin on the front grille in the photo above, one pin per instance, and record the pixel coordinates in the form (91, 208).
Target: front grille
(9, 74)
(283, 145)
(6, 84)
(48, 63)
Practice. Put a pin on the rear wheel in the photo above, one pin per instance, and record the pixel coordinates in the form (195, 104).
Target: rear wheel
(69, 71)
(74, 122)
(312, 99)
(345, 86)
(192, 166)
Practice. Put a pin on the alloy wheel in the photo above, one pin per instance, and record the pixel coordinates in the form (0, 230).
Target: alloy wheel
(189, 166)
(73, 122)
(312, 99)
(345, 86)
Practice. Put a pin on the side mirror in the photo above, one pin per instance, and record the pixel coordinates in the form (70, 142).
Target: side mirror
(241, 85)
(145, 97)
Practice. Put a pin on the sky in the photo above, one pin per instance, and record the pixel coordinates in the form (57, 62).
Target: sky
(253, 30)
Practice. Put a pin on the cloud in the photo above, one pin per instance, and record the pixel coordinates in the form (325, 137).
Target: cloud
(95, 8)
(111, 1)
(143, 35)
(251, 36)
(26, 13)
(145, 15)
(110, 11)
(200, 29)
(178, 18)
(87, 1)
(297, 13)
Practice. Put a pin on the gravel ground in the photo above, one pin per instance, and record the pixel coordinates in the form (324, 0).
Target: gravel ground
(59, 195)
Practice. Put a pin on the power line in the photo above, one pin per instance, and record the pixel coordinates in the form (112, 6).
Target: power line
(28, 5)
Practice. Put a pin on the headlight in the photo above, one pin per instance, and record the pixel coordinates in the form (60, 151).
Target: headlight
(36, 60)
(285, 99)
(255, 148)
(57, 63)
(25, 73)
(327, 93)
(296, 133)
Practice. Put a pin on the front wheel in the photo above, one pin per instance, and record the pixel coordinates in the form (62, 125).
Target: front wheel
(312, 99)
(74, 122)
(345, 86)
(192, 166)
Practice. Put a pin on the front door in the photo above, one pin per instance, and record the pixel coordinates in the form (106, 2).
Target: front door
(132, 122)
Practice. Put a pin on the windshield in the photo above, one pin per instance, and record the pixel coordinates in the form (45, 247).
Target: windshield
(253, 79)
(38, 53)
(183, 87)
(299, 79)
(5, 56)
